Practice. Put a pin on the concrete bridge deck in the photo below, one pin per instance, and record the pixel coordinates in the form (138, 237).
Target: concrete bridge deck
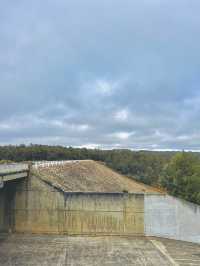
(12, 171)
(40, 250)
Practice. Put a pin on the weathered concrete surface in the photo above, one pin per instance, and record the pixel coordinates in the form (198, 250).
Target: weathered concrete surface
(6, 194)
(3, 226)
(9, 201)
(13, 176)
(170, 217)
(13, 168)
(40, 208)
(7, 204)
(37, 250)
(12, 171)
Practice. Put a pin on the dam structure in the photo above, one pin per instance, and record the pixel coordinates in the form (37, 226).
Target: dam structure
(86, 198)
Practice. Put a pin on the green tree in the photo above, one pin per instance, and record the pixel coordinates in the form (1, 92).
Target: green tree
(182, 176)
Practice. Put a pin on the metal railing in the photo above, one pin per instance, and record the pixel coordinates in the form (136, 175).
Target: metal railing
(53, 163)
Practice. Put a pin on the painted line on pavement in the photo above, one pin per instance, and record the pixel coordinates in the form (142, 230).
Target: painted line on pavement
(164, 251)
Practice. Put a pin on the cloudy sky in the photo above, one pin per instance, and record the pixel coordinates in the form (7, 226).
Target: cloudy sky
(104, 73)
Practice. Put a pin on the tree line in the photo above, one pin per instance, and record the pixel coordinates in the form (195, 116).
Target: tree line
(176, 172)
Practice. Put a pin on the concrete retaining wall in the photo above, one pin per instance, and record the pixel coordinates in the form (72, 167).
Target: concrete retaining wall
(169, 217)
(2, 211)
(40, 208)
(33, 206)
(5, 207)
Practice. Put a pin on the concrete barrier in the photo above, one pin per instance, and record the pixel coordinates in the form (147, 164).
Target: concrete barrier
(12, 171)
(170, 217)
(13, 168)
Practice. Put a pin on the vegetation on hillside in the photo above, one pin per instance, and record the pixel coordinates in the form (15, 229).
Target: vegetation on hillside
(5, 161)
(181, 176)
(177, 172)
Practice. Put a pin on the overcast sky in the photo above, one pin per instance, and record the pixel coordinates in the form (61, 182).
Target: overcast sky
(103, 73)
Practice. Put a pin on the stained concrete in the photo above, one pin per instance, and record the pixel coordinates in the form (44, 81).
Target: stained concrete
(12, 172)
(41, 204)
(170, 217)
(13, 168)
(6, 200)
(24, 250)
(3, 226)
(40, 208)
(34, 206)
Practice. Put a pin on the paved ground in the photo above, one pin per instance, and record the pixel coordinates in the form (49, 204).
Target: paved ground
(32, 250)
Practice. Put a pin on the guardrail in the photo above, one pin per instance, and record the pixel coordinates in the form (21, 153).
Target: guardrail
(53, 163)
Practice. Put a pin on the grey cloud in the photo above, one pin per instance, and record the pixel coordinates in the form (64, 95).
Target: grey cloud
(67, 69)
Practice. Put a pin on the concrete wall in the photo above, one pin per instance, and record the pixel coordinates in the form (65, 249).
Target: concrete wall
(6, 195)
(33, 206)
(2, 211)
(169, 217)
(10, 172)
(39, 208)
(13, 168)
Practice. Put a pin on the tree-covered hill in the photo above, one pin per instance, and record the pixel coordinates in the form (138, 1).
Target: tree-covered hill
(142, 165)
(177, 172)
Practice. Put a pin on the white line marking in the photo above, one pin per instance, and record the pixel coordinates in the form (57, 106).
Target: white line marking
(164, 251)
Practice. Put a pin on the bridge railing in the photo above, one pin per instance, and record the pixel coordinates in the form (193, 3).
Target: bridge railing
(52, 163)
